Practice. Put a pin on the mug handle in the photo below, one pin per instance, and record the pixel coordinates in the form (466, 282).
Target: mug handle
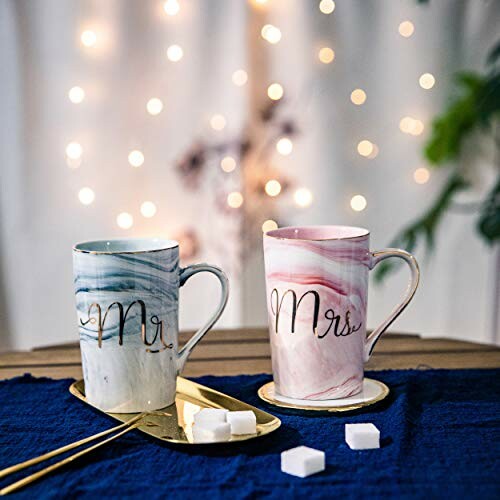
(185, 274)
(377, 257)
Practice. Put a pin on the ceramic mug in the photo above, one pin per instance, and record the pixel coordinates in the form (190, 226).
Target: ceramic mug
(127, 299)
(317, 287)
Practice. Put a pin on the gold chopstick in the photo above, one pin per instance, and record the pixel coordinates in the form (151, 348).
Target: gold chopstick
(58, 451)
(37, 475)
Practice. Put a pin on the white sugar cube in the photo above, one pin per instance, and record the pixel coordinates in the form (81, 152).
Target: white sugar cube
(242, 422)
(302, 461)
(211, 432)
(206, 415)
(362, 436)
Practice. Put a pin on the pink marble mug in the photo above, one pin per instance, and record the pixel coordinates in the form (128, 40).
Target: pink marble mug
(317, 288)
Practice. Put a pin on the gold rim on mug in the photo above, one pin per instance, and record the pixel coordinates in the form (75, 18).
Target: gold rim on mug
(115, 252)
(264, 393)
(269, 235)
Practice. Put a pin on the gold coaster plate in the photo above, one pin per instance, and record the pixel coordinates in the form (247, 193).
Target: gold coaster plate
(173, 424)
(266, 393)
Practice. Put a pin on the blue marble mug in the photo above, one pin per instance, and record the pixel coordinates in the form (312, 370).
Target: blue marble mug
(127, 300)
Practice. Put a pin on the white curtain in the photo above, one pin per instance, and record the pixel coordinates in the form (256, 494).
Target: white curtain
(41, 216)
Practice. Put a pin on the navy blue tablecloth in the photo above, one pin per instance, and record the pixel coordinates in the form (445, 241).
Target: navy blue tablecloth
(440, 434)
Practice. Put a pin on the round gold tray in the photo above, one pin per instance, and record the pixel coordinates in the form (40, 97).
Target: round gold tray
(373, 391)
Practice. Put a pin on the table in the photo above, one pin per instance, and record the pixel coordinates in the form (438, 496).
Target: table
(247, 351)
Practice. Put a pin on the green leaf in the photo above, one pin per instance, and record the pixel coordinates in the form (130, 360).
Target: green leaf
(489, 221)
(493, 55)
(477, 105)
(488, 100)
(449, 129)
(424, 229)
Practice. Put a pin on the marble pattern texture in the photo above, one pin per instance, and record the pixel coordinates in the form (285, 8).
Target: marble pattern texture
(316, 300)
(129, 377)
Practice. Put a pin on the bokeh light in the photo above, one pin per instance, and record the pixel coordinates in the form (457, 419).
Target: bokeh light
(88, 38)
(411, 126)
(327, 6)
(154, 106)
(273, 187)
(269, 225)
(427, 81)
(235, 199)
(405, 124)
(228, 164)
(125, 220)
(275, 91)
(239, 77)
(218, 122)
(406, 29)
(303, 197)
(76, 95)
(326, 55)
(271, 33)
(171, 7)
(86, 196)
(136, 158)
(148, 209)
(175, 53)
(358, 97)
(284, 146)
(358, 203)
(74, 150)
(374, 152)
(421, 175)
(365, 148)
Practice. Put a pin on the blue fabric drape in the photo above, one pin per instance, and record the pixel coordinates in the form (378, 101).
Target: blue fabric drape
(440, 434)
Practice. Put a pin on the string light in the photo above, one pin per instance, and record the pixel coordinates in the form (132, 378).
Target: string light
(365, 148)
(358, 203)
(235, 199)
(303, 197)
(374, 152)
(273, 187)
(264, 29)
(275, 91)
(86, 196)
(76, 95)
(327, 6)
(88, 38)
(358, 97)
(406, 29)
(269, 225)
(284, 146)
(171, 7)
(154, 106)
(125, 220)
(228, 164)
(240, 77)
(74, 150)
(218, 122)
(427, 81)
(326, 55)
(270, 33)
(409, 125)
(405, 124)
(421, 175)
(136, 158)
(175, 53)
(417, 128)
(148, 209)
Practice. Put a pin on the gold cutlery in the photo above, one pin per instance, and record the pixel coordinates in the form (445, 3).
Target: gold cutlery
(126, 426)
